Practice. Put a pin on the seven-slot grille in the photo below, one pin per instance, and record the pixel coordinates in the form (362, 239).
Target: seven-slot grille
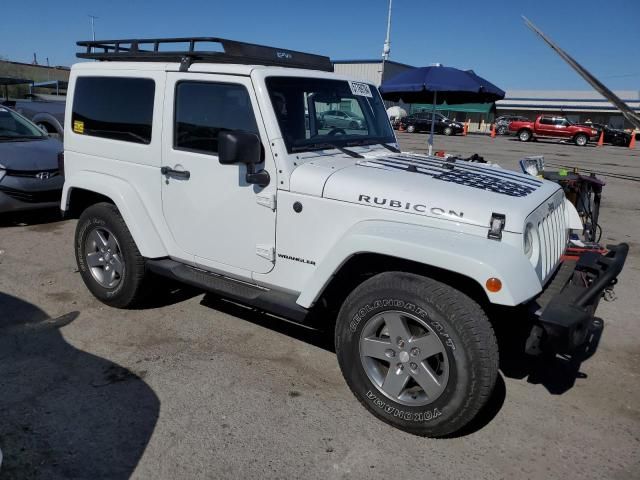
(553, 234)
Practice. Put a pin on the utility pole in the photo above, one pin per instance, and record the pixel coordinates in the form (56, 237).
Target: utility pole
(386, 49)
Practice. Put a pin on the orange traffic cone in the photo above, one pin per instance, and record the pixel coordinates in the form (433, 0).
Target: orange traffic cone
(632, 143)
(601, 139)
(493, 130)
(465, 129)
(401, 127)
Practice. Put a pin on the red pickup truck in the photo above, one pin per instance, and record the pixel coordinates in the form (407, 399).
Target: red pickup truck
(552, 127)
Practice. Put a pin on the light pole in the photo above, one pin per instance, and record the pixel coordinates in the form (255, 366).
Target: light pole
(386, 49)
(92, 19)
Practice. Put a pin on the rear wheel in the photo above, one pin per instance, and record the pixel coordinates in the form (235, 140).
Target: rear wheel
(581, 139)
(417, 353)
(108, 259)
(411, 129)
(524, 135)
(448, 131)
(502, 130)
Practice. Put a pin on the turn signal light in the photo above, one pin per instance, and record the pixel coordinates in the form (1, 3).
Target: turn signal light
(494, 284)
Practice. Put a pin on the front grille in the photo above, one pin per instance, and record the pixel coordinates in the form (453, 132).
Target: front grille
(552, 229)
(33, 173)
(33, 197)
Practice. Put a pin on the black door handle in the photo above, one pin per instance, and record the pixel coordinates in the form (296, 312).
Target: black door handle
(185, 174)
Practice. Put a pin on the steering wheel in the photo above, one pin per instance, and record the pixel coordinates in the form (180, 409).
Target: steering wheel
(336, 131)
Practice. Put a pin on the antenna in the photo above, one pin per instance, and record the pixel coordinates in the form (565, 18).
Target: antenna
(386, 50)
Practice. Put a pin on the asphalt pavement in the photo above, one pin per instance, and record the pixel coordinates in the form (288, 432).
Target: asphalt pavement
(196, 387)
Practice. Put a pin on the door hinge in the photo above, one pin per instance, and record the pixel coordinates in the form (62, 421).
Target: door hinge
(266, 251)
(267, 200)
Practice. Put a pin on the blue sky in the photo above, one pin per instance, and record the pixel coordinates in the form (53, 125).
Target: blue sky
(487, 36)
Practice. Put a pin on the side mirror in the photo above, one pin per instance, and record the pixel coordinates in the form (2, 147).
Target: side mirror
(243, 147)
(239, 147)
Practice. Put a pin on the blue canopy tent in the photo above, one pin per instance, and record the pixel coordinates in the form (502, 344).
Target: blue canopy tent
(442, 84)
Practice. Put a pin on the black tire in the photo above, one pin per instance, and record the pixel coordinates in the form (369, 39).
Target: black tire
(581, 140)
(466, 336)
(448, 131)
(130, 286)
(524, 135)
(502, 130)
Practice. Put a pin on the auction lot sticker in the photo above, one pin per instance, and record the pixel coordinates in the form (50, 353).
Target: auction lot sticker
(360, 89)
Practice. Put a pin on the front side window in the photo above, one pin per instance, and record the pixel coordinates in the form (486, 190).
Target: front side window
(15, 127)
(117, 108)
(318, 113)
(203, 109)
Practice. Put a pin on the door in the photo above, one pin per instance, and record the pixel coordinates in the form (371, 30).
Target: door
(212, 212)
(562, 127)
(546, 127)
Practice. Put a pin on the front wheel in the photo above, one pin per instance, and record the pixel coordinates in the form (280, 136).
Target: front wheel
(448, 131)
(581, 139)
(417, 353)
(502, 130)
(411, 129)
(108, 259)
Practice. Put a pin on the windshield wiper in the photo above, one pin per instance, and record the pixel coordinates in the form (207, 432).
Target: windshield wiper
(365, 142)
(321, 146)
(390, 147)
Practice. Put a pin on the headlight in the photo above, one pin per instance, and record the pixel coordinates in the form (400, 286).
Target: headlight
(528, 240)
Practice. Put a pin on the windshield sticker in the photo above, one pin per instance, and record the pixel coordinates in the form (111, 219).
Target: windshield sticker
(360, 89)
(78, 126)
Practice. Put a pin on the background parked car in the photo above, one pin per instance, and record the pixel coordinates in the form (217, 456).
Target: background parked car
(47, 114)
(341, 119)
(421, 122)
(553, 127)
(30, 177)
(503, 121)
(613, 136)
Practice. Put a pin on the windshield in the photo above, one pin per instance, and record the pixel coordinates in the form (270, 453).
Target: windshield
(14, 126)
(315, 113)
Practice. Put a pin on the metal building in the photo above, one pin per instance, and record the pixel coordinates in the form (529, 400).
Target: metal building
(370, 71)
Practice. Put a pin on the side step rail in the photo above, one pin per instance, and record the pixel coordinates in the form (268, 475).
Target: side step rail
(272, 301)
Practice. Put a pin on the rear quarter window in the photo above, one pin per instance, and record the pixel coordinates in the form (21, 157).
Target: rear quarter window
(117, 108)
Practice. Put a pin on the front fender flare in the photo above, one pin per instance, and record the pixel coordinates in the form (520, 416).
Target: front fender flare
(129, 203)
(475, 257)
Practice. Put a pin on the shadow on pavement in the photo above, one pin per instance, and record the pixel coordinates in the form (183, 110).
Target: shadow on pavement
(323, 338)
(557, 373)
(65, 413)
(30, 217)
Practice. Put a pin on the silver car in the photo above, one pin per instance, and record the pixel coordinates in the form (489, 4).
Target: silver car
(341, 119)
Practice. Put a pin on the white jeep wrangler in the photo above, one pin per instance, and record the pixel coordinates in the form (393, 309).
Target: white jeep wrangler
(221, 169)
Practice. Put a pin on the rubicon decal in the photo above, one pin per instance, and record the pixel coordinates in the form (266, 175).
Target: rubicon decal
(407, 206)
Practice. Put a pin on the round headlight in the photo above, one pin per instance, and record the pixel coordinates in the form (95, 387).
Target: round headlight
(528, 240)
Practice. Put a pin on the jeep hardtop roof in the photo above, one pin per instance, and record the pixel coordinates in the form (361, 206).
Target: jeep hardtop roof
(233, 52)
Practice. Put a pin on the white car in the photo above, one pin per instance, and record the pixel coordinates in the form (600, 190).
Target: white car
(201, 167)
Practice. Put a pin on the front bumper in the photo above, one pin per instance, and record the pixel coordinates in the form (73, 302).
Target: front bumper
(565, 310)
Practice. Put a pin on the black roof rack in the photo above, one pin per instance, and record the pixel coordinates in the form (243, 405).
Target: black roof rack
(151, 50)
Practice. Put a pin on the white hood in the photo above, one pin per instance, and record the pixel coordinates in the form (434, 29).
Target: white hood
(429, 186)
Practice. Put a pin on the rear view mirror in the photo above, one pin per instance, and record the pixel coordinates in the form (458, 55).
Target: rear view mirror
(239, 147)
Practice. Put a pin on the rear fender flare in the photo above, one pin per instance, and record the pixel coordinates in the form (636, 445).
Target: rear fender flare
(129, 204)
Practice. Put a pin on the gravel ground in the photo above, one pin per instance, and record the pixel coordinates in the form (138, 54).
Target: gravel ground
(195, 387)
